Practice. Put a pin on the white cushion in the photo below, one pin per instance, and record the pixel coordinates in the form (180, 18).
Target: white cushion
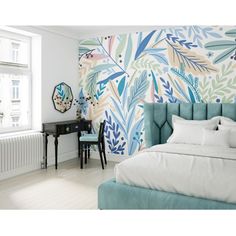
(190, 131)
(213, 122)
(232, 136)
(187, 134)
(227, 121)
(219, 138)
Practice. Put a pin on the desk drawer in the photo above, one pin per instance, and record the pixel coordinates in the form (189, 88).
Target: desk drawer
(75, 127)
(64, 129)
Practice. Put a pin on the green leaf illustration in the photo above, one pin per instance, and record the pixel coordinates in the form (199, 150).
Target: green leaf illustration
(121, 46)
(231, 33)
(92, 42)
(224, 55)
(220, 44)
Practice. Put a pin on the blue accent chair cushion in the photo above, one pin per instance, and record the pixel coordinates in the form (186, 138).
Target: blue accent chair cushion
(89, 138)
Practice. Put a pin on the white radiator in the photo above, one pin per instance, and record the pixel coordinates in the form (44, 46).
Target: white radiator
(19, 154)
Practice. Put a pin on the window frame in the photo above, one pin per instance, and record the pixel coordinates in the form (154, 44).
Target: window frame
(19, 69)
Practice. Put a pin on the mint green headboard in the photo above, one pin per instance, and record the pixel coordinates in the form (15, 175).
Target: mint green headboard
(158, 117)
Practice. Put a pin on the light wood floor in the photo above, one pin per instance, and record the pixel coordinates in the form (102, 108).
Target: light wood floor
(67, 188)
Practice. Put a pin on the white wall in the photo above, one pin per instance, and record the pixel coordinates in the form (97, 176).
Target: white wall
(59, 64)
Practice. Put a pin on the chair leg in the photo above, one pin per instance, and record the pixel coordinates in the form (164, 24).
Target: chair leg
(100, 153)
(86, 153)
(104, 152)
(89, 146)
(81, 156)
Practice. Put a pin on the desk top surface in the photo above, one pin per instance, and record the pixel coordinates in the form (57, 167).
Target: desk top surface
(66, 122)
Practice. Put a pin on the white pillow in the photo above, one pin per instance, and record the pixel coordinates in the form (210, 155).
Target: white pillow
(219, 138)
(232, 135)
(213, 122)
(227, 121)
(187, 134)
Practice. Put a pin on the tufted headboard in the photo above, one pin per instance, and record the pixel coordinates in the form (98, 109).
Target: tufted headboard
(158, 117)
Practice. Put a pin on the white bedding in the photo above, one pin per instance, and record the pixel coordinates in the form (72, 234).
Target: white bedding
(193, 170)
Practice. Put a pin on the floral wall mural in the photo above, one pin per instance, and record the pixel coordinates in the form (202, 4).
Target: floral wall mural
(118, 73)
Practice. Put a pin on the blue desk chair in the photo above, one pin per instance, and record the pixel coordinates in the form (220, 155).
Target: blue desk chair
(87, 140)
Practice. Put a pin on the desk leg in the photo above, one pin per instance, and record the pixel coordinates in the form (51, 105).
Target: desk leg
(81, 156)
(79, 152)
(56, 149)
(46, 150)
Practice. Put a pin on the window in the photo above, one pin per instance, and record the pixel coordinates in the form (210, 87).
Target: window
(15, 121)
(15, 80)
(15, 51)
(15, 89)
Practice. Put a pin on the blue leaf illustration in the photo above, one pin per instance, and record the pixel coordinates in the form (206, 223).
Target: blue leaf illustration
(160, 57)
(138, 90)
(111, 77)
(121, 86)
(118, 109)
(130, 118)
(115, 142)
(134, 141)
(155, 82)
(140, 36)
(191, 95)
(143, 44)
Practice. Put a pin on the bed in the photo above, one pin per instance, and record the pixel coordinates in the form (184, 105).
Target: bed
(158, 128)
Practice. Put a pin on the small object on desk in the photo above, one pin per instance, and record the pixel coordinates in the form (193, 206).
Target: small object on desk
(61, 128)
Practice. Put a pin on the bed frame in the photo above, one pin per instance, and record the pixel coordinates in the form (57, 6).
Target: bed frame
(158, 127)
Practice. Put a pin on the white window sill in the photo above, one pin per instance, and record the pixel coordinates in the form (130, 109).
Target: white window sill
(4, 135)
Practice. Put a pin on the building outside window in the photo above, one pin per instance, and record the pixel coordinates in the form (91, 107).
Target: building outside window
(15, 121)
(15, 89)
(15, 51)
(15, 82)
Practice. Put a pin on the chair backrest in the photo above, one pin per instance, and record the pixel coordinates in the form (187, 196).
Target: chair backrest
(101, 130)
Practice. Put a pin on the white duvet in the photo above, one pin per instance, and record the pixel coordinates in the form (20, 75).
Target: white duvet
(193, 170)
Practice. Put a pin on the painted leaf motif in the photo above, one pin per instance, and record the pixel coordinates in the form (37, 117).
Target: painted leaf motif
(154, 50)
(121, 86)
(133, 143)
(102, 67)
(155, 82)
(161, 58)
(110, 45)
(128, 52)
(91, 84)
(83, 50)
(191, 95)
(224, 55)
(92, 42)
(121, 46)
(140, 36)
(143, 44)
(147, 63)
(138, 90)
(111, 77)
(130, 118)
(231, 33)
(220, 44)
(194, 63)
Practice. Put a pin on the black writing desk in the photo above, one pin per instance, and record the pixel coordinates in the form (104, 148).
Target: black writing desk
(61, 128)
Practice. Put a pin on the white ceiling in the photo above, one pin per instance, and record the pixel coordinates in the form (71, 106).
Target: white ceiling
(81, 32)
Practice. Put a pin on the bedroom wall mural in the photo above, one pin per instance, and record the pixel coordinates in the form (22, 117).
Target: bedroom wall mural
(118, 73)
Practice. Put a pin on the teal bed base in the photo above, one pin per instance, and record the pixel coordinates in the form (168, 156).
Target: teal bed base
(112, 195)
(158, 128)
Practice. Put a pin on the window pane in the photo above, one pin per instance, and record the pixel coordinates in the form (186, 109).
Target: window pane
(14, 101)
(14, 51)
